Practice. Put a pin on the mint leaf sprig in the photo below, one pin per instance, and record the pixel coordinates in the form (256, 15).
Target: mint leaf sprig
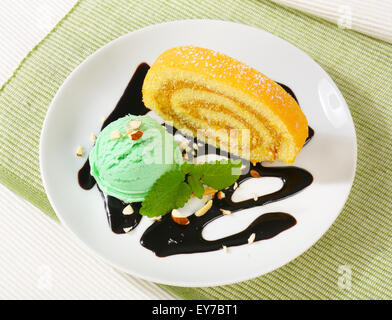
(174, 188)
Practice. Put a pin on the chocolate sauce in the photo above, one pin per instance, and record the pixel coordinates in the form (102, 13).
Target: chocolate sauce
(166, 237)
(130, 102)
(118, 222)
(86, 180)
(310, 135)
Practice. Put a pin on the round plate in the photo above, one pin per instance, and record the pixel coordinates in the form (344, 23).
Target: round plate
(91, 93)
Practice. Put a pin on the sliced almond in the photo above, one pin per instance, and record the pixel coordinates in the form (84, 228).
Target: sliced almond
(183, 145)
(252, 238)
(225, 249)
(254, 174)
(79, 151)
(221, 195)
(179, 218)
(115, 134)
(134, 124)
(202, 211)
(93, 137)
(255, 197)
(126, 230)
(225, 212)
(128, 210)
(136, 135)
(209, 191)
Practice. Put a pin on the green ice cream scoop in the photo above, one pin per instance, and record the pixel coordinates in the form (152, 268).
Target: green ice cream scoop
(126, 169)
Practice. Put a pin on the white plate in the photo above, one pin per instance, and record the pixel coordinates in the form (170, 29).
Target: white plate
(92, 91)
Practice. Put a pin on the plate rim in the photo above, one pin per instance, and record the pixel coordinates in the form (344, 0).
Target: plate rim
(200, 283)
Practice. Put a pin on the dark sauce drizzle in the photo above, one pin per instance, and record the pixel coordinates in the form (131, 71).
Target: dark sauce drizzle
(118, 222)
(132, 97)
(165, 237)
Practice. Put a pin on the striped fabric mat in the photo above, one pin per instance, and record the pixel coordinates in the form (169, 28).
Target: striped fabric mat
(373, 18)
(354, 258)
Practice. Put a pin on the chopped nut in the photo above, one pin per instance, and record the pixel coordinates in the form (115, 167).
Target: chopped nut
(225, 249)
(235, 185)
(136, 135)
(252, 238)
(179, 218)
(225, 212)
(93, 137)
(128, 210)
(79, 152)
(115, 134)
(183, 144)
(255, 198)
(209, 191)
(202, 211)
(126, 230)
(254, 174)
(134, 124)
(221, 195)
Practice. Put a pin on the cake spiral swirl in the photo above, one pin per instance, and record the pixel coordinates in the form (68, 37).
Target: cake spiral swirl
(226, 103)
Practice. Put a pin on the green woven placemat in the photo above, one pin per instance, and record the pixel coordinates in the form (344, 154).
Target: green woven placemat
(353, 260)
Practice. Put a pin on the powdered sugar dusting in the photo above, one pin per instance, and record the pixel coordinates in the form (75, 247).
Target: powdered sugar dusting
(222, 67)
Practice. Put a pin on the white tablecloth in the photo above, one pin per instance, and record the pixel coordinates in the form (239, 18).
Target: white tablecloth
(39, 258)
